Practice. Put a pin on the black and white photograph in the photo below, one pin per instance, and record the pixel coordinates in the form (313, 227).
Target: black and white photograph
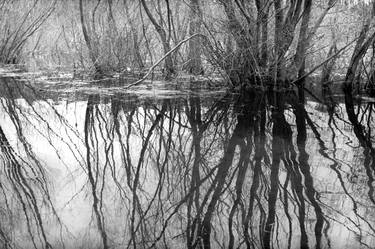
(197, 124)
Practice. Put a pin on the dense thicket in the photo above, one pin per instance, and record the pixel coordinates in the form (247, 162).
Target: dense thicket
(257, 42)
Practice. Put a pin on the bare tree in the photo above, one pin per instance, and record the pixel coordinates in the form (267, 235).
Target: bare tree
(194, 65)
(169, 65)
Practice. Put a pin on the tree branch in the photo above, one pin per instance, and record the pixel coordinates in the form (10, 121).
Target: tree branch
(161, 59)
(325, 61)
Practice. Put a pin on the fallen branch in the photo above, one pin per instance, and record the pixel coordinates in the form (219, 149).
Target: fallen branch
(160, 60)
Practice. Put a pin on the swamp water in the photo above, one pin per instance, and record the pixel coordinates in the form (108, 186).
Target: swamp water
(95, 166)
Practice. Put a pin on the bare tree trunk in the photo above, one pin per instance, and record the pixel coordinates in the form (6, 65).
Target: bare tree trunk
(328, 66)
(111, 16)
(264, 37)
(278, 72)
(238, 31)
(195, 62)
(262, 28)
(303, 42)
(285, 25)
(244, 63)
(136, 48)
(305, 36)
(92, 53)
(360, 50)
(169, 65)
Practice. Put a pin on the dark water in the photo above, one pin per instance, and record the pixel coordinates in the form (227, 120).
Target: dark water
(95, 166)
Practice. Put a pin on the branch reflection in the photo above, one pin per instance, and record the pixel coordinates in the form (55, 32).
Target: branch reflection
(251, 170)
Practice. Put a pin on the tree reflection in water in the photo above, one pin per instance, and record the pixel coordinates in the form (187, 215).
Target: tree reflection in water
(249, 170)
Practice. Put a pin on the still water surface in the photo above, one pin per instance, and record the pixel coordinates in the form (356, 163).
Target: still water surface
(95, 166)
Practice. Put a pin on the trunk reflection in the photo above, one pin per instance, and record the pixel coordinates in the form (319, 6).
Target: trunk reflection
(252, 170)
